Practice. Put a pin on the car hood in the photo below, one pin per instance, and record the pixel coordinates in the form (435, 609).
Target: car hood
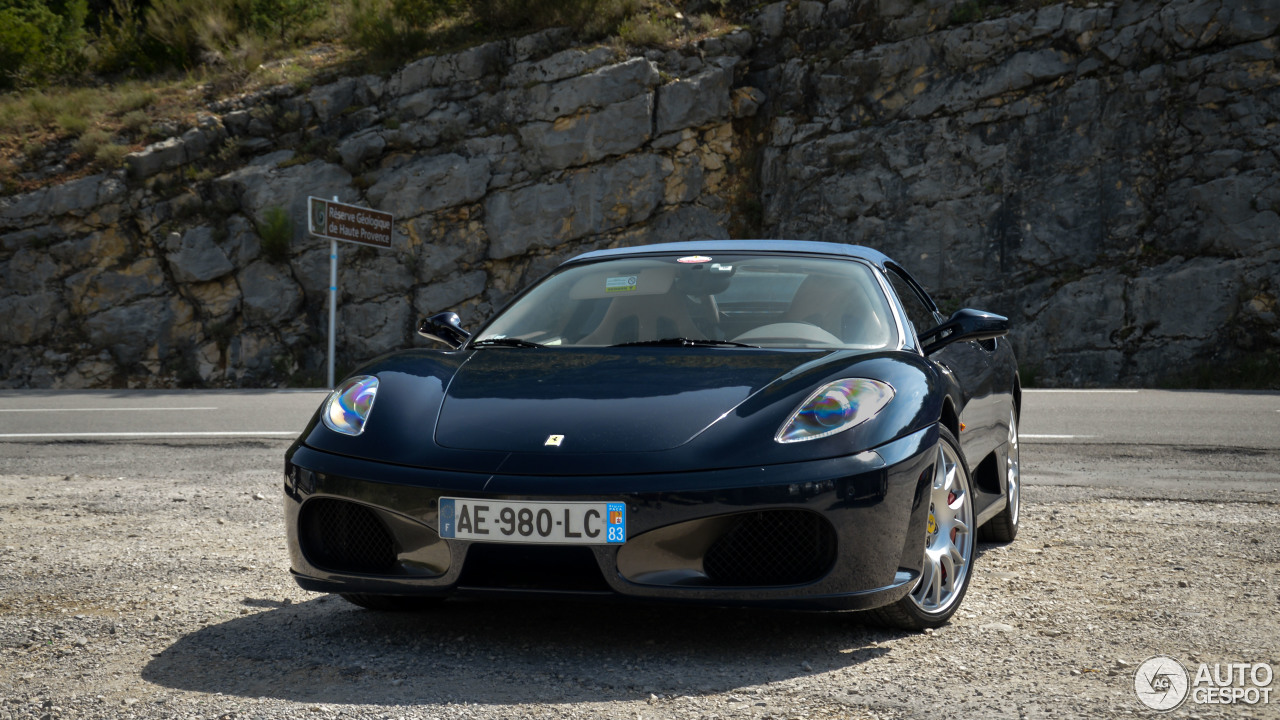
(604, 401)
(619, 410)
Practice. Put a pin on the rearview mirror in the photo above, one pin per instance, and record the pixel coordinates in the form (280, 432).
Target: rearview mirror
(446, 327)
(966, 324)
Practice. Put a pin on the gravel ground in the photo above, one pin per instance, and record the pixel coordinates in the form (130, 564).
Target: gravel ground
(165, 593)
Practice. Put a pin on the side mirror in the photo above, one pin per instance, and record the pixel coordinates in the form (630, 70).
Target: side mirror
(445, 327)
(966, 324)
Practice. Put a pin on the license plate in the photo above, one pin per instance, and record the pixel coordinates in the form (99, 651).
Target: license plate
(521, 521)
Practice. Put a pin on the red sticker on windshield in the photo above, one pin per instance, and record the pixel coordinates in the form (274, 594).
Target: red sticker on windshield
(693, 259)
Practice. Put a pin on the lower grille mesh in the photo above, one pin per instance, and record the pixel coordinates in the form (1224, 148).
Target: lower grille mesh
(772, 547)
(532, 567)
(344, 536)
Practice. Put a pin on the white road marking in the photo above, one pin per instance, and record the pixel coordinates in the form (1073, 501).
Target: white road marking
(258, 433)
(1024, 436)
(100, 409)
(1070, 390)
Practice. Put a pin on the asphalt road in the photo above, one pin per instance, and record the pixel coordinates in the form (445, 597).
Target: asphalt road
(1119, 417)
(42, 416)
(1169, 444)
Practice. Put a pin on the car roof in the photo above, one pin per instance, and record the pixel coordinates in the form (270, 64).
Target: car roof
(805, 247)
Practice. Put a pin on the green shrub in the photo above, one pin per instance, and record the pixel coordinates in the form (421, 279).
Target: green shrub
(647, 30)
(122, 43)
(136, 99)
(285, 19)
(185, 29)
(88, 143)
(41, 40)
(392, 30)
(73, 123)
(229, 153)
(186, 33)
(45, 108)
(969, 11)
(276, 230)
(591, 18)
(7, 170)
(110, 156)
(135, 122)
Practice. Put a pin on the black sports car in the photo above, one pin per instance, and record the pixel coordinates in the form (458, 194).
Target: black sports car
(730, 422)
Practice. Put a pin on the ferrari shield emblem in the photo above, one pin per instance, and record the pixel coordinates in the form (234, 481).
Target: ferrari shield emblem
(553, 441)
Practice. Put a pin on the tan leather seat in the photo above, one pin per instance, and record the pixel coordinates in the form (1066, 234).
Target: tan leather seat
(839, 306)
(643, 317)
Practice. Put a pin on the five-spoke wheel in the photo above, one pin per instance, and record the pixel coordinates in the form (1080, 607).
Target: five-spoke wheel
(1004, 527)
(948, 550)
(948, 546)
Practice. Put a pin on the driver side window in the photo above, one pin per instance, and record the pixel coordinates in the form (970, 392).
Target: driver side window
(917, 312)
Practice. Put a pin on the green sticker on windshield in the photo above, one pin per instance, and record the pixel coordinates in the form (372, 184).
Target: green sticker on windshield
(620, 284)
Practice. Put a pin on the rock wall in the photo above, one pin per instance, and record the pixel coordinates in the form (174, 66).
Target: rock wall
(1106, 175)
(498, 162)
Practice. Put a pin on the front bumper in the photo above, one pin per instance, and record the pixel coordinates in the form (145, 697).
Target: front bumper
(875, 503)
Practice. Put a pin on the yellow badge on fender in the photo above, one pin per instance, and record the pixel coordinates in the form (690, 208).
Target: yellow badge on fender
(553, 441)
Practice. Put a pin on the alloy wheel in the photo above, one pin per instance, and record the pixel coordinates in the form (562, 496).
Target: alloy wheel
(949, 540)
(1013, 470)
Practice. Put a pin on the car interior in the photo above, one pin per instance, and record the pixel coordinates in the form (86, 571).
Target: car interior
(766, 302)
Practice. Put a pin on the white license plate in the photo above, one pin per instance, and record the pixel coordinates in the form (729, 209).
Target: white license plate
(528, 521)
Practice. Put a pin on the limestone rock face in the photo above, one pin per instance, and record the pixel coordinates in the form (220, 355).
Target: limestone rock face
(1105, 174)
(195, 257)
(1095, 173)
(433, 183)
(695, 101)
(591, 135)
(28, 318)
(270, 294)
(588, 202)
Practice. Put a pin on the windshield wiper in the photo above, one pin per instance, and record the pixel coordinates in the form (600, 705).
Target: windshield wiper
(506, 342)
(686, 342)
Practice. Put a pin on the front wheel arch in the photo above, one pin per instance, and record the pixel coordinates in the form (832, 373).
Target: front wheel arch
(911, 612)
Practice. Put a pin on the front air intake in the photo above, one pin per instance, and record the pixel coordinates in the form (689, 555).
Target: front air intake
(346, 537)
(772, 547)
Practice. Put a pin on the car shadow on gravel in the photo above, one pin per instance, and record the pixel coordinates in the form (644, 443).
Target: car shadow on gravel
(328, 651)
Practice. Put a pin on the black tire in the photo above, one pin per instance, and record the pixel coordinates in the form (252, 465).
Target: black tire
(391, 603)
(907, 613)
(1003, 528)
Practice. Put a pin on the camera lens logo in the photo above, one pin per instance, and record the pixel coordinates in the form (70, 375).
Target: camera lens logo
(1161, 683)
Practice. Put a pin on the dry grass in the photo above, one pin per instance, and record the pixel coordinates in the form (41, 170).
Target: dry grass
(89, 142)
(98, 125)
(84, 119)
(649, 30)
(110, 156)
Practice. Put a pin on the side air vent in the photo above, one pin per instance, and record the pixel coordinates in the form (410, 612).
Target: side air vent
(346, 537)
(772, 547)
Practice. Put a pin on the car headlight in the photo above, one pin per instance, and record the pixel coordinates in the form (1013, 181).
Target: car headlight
(835, 407)
(348, 407)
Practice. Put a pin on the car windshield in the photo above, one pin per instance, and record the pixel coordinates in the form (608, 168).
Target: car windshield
(753, 300)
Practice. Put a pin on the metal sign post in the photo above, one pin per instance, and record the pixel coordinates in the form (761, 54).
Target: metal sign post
(333, 300)
(348, 223)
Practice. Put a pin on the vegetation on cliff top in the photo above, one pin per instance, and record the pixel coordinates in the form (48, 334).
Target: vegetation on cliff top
(83, 82)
